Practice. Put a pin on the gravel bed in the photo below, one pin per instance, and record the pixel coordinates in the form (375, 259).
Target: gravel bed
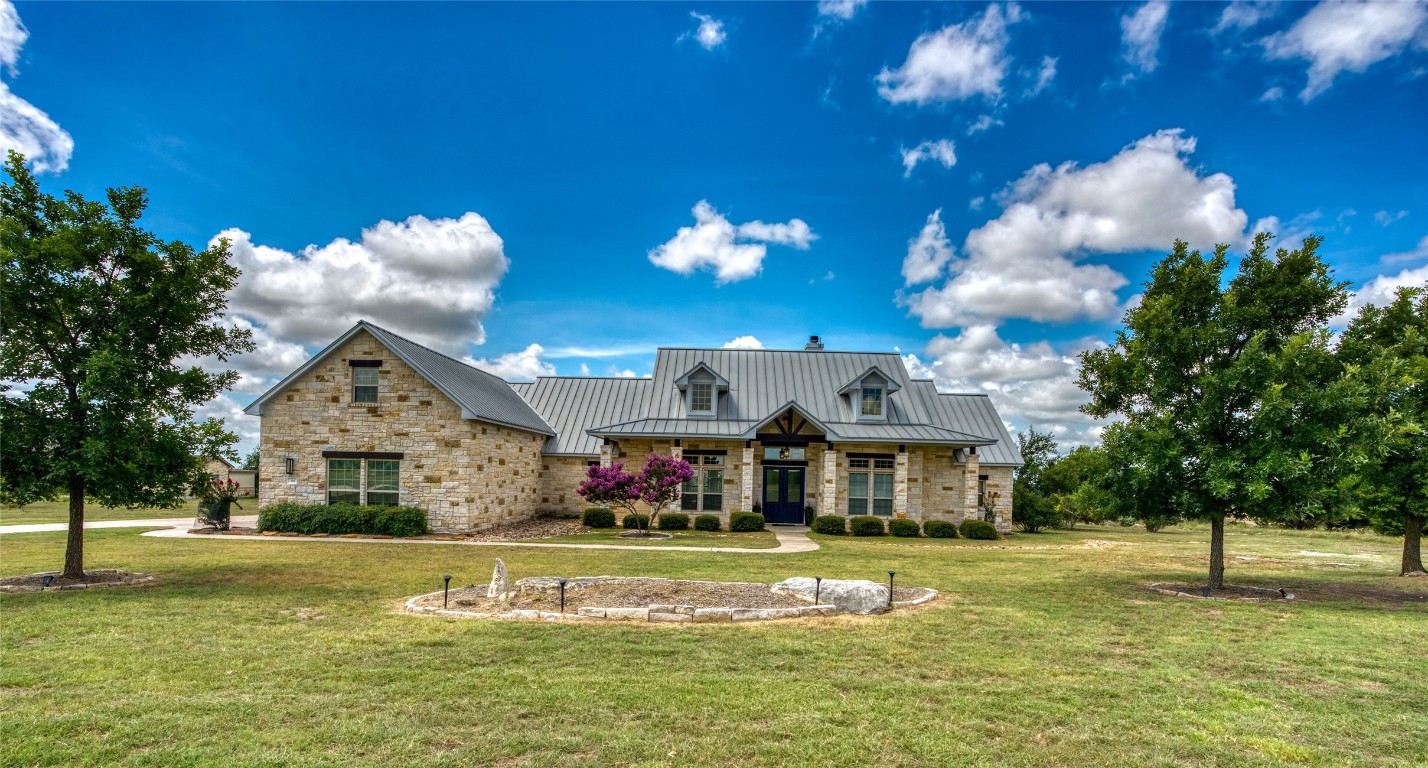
(623, 595)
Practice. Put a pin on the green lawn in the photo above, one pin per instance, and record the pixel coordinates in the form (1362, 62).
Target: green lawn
(296, 653)
(58, 512)
(753, 540)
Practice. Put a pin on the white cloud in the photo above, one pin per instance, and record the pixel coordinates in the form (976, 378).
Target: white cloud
(744, 342)
(1140, 35)
(982, 123)
(1273, 93)
(584, 369)
(1291, 232)
(1336, 37)
(1044, 75)
(1029, 384)
(710, 33)
(1420, 251)
(246, 427)
(1244, 14)
(432, 280)
(272, 359)
(621, 374)
(1385, 218)
(976, 203)
(956, 62)
(24, 127)
(840, 9)
(943, 151)
(516, 366)
(929, 253)
(1024, 263)
(1382, 289)
(732, 252)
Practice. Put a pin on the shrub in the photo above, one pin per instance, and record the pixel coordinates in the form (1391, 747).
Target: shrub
(706, 522)
(342, 518)
(746, 521)
(674, 521)
(598, 517)
(633, 522)
(831, 525)
(866, 525)
(940, 529)
(978, 529)
(905, 528)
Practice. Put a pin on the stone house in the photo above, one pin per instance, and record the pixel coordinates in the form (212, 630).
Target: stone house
(375, 418)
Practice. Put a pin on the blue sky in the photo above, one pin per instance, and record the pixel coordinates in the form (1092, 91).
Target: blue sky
(560, 188)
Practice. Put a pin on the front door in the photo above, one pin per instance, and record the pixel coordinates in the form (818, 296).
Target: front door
(783, 495)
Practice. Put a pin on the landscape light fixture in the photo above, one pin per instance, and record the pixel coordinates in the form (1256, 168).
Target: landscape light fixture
(446, 589)
(289, 465)
(817, 587)
(46, 581)
(890, 585)
(562, 595)
(1205, 592)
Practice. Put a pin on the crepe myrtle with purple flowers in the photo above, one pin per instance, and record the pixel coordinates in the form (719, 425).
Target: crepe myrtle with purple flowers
(657, 485)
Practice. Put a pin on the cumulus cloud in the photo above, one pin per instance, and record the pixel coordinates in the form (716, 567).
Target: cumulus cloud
(733, 252)
(1382, 289)
(1337, 37)
(841, 10)
(246, 427)
(1025, 262)
(954, 63)
(942, 151)
(744, 342)
(1140, 35)
(1244, 14)
(1031, 384)
(709, 33)
(516, 366)
(432, 280)
(24, 127)
(929, 253)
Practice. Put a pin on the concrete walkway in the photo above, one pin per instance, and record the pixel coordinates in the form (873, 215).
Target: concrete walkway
(791, 539)
(169, 522)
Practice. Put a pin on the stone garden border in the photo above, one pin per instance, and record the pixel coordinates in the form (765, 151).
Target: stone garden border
(1270, 595)
(656, 612)
(122, 579)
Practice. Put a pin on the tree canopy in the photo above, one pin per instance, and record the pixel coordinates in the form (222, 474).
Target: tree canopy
(100, 320)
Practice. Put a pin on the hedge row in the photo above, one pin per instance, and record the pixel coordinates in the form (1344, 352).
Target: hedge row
(342, 518)
(866, 525)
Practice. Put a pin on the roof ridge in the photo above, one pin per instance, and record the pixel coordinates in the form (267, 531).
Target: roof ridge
(809, 351)
(433, 351)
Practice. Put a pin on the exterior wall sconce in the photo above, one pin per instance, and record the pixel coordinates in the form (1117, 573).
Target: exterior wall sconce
(289, 465)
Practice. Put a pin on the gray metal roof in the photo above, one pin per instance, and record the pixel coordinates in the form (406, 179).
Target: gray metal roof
(480, 395)
(572, 405)
(979, 416)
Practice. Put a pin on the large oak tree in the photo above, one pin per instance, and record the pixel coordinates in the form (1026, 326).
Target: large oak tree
(97, 316)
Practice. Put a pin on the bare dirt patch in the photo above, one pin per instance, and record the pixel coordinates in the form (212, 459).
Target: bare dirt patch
(35, 582)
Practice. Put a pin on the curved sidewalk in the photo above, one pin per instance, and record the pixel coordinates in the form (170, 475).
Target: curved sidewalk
(144, 523)
(791, 539)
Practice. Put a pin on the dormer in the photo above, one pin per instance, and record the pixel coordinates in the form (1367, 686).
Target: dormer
(868, 395)
(700, 387)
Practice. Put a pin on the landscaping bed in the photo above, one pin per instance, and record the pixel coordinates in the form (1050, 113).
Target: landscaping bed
(537, 529)
(35, 582)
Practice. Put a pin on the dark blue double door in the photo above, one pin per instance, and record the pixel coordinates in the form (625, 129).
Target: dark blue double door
(783, 494)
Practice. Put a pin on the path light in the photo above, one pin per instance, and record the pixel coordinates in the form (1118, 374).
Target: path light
(1205, 591)
(890, 583)
(446, 589)
(562, 595)
(817, 586)
(46, 581)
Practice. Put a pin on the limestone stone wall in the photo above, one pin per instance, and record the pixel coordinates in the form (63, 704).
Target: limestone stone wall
(466, 475)
(999, 481)
(560, 476)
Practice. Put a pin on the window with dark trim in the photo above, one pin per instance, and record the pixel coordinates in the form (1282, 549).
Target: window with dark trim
(364, 385)
(705, 490)
(869, 485)
(345, 481)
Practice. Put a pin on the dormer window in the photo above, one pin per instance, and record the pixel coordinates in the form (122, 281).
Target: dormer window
(701, 397)
(872, 403)
(700, 388)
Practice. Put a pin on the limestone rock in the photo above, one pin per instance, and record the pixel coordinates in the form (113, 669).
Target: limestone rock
(765, 614)
(853, 596)
(709, 615)
(499, 585)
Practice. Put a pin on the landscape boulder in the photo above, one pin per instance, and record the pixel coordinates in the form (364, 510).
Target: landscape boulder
(853, 596)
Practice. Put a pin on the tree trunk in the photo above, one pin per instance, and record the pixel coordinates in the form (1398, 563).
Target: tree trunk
(74, 542)
(1412, 544)
(1217, 552)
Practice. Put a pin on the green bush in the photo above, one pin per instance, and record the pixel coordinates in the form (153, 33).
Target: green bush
(905, 528)
(978, 529)
(866, 525)
(342, 518)
(746, 521)
(598, 517)
(831, 525)
(674, 521)
(939, 529)
(706, 522)
(633, 522)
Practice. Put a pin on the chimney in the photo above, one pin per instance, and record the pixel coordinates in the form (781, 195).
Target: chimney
(814, 344)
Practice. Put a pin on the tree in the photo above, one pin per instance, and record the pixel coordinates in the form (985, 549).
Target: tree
(1033, 502)
(657, 486)
(1226, 389)
(95, 313)
(1385, 349)
(251, 460)
(1079, 477)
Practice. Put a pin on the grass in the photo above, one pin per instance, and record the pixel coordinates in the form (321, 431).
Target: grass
(750, 540)
(297, 653)
(58, 512)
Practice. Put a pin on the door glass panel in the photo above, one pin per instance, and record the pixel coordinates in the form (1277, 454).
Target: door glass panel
(795, 485)
(770, 484)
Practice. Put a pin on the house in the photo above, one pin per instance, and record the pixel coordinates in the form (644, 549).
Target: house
(376, 418)
(221, 469)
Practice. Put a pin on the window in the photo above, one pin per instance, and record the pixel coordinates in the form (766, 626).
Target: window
(872, 402)
(788, 453)
(701, 397)
(364, 385)
(705, 490)
(344, 481)
(981, 493)
(870, 488)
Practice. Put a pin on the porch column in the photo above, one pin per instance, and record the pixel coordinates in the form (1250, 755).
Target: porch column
(828, 497)
(971, 469)
(746, 478)
(900, 484)
(607, 453)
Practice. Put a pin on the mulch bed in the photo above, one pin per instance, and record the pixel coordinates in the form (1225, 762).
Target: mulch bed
(525, 529)
(31, 582)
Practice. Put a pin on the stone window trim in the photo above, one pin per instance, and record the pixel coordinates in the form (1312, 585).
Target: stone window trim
(363, 455)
